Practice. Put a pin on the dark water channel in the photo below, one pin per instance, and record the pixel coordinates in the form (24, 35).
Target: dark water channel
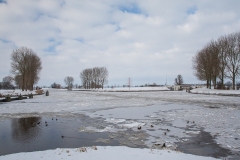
(42, 133)
(203, 144)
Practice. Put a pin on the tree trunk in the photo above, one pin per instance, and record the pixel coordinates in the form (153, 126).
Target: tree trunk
(210, 83)
(214, 81)
(102, 84)
(222, 80)
(23, 81)
(233, 81)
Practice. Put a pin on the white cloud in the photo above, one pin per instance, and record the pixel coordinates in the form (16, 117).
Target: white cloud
(138, 39)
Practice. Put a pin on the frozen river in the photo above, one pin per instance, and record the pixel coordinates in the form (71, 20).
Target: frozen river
(206, 125)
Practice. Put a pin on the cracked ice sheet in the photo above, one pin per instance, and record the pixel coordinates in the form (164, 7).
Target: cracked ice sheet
(220, 122)
(76, 101)
(138, 112)
(155, 120)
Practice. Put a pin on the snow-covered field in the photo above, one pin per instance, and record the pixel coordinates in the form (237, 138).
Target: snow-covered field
(127, 89)
(183, 116)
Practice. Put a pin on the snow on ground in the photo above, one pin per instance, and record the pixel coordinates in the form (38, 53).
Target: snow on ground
(106, 153)
(16, 92)
(155, 112)
(215, 91)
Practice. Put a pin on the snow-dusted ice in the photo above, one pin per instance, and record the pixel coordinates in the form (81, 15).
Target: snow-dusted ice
(173, 118)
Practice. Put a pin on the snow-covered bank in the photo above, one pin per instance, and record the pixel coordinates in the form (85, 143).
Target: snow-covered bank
(216, 92)
(104, 153)
(16, 92)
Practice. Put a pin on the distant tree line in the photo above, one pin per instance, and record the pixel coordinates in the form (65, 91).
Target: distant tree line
(217, 60)
(56, 85)
(26, 66)
(91, 78)
(94, 77)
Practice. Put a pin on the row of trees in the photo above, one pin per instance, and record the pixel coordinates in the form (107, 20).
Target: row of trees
(91, 78)
(26, 66)
(94, 77)
(217, 60)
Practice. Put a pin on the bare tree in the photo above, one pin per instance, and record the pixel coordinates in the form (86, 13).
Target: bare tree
(69, 81)
(91, 78)
(83, 78)
(33, 70)
(103, 78)
(233, 57)
(214, 63)
(7, 82)
(206, 64)
(222, 46)
(200, 65)
(96, 74)
(18, 81)
(27, 65)
(179, 80)
(86, 78)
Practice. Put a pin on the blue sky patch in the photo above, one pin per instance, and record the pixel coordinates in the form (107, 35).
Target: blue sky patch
(192, 10)
(50, 49)
(3, 1)
(79, 39)
(51, 40)
(133, 8)
(5, 41)
(118, 28)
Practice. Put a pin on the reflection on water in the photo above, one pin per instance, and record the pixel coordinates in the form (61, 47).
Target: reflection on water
(25, 129)
(43, 133)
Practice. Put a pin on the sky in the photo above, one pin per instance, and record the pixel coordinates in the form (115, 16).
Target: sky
(150, 41)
